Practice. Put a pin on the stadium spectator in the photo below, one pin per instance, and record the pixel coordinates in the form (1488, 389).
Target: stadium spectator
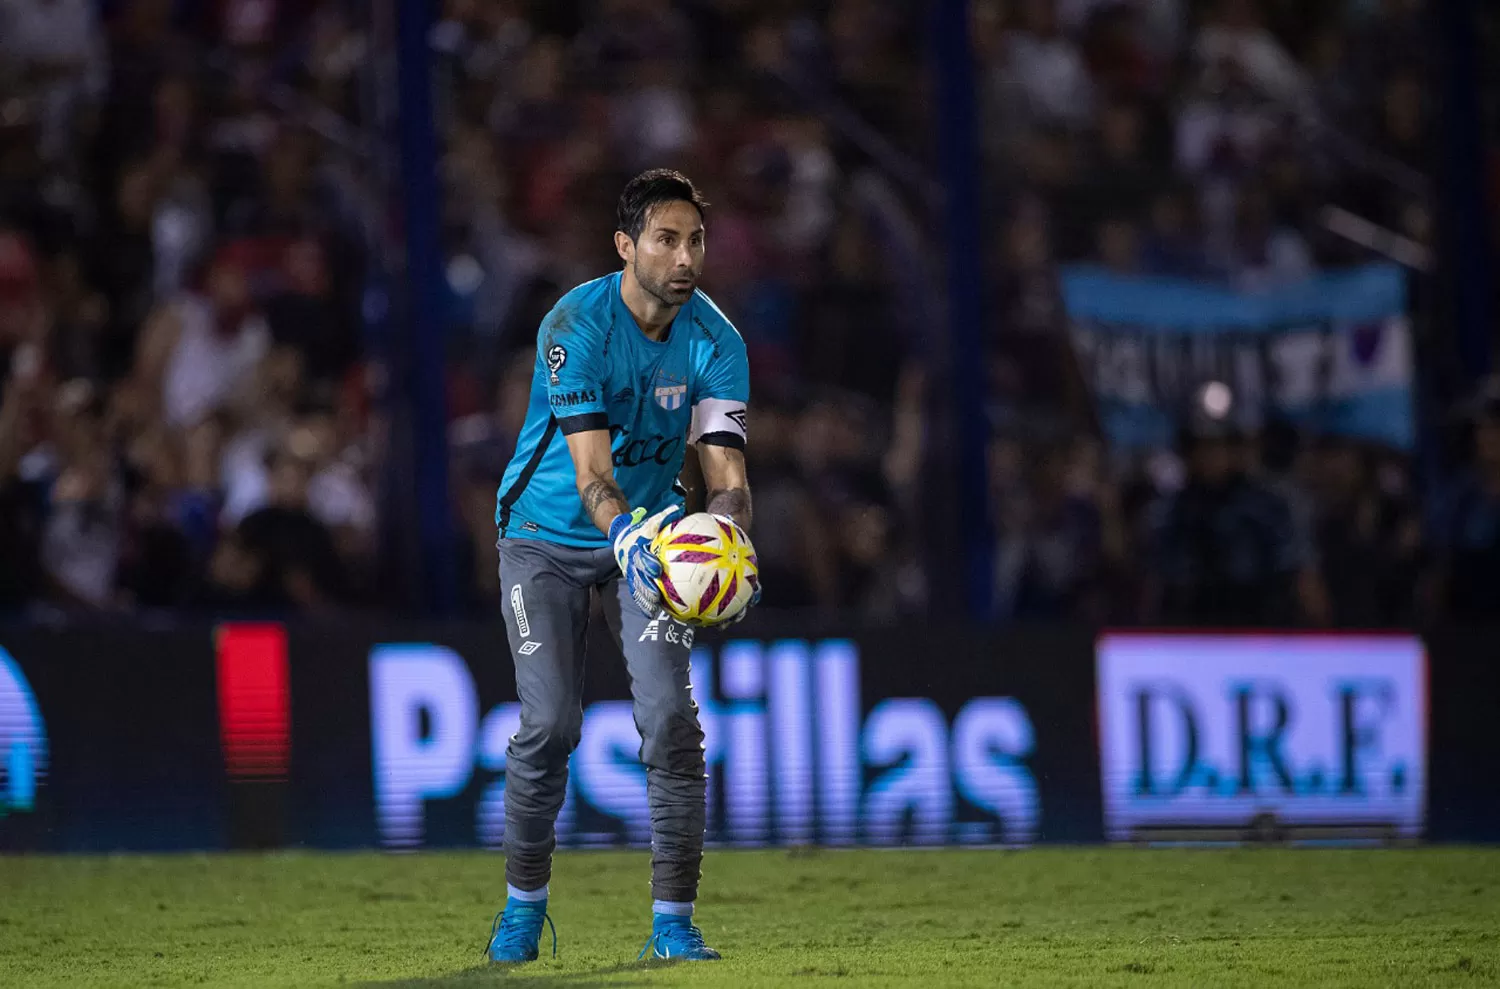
(297, 556)
(1226, 549)
(1264, 253)
(1368, 538)
(1118, 247)
(1048, 68)
(1120, 175)
(1171, 238)
(1234, 41)
(83, 535)
(1032, 371)
(170, 509)
(849, 335)
(123, 265)
(1052, 560)
(53, 52)
(790, 554)
(200, 352)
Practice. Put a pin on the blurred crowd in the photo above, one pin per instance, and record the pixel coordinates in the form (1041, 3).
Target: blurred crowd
(1203, 139)
(183, 419)
(188, 220)
(1220, 141)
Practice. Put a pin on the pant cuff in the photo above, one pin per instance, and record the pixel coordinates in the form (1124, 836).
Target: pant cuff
(674, 894)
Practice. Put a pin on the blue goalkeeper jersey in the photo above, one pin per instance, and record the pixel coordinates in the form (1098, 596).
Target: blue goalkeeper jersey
(595, 369)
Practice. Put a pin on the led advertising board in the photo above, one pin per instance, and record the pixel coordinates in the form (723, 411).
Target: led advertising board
(1235, 731)
(797, 752)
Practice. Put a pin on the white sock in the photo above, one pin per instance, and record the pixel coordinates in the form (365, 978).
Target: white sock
(677, 909)
(526, 895)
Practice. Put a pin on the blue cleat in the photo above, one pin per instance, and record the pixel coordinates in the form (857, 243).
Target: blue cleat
(674, 936)
(517, 932)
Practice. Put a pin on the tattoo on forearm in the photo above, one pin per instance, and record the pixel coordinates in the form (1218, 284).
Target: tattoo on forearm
(603, 492)
(734, 502)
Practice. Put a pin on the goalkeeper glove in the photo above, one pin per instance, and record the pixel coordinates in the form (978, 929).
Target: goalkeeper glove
(631, 534)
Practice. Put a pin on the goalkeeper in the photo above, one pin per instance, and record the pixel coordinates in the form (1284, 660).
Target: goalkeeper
(629, 369)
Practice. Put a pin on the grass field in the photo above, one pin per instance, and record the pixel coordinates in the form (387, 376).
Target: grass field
(1063, 917)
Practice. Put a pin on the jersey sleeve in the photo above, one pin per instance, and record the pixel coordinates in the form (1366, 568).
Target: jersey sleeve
(568, 352)
(721, 395)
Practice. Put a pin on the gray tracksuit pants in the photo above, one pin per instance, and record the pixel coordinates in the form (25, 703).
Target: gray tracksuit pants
(547, 588)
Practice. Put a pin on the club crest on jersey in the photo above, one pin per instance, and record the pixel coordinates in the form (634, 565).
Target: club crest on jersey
(670, 392)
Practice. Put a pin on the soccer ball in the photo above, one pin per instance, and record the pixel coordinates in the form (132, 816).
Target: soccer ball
(709, 571)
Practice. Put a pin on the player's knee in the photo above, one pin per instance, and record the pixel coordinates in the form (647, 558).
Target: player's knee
(671, 736)
(549, 738)
(563, 734)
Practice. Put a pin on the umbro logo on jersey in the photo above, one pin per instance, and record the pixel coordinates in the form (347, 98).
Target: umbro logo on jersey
(626, 394)
(738, 415)
(529, 647)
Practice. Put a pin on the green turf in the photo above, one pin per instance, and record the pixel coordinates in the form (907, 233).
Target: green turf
(1056, 917)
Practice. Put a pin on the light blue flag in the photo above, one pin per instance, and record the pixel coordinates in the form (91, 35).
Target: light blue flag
(1333, 353)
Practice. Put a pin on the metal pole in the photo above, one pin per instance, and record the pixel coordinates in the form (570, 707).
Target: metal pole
(424, 300)
(958, 147)
(1462, 217)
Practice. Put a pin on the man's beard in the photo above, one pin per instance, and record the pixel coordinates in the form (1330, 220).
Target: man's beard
(664, 292)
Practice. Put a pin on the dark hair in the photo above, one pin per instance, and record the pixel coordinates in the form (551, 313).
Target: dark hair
(649, 190)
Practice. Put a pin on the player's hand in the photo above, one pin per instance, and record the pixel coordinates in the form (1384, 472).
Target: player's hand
(631, 536)
(754, 600)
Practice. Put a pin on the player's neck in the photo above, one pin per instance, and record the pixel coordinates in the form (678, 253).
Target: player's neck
(653, 316)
